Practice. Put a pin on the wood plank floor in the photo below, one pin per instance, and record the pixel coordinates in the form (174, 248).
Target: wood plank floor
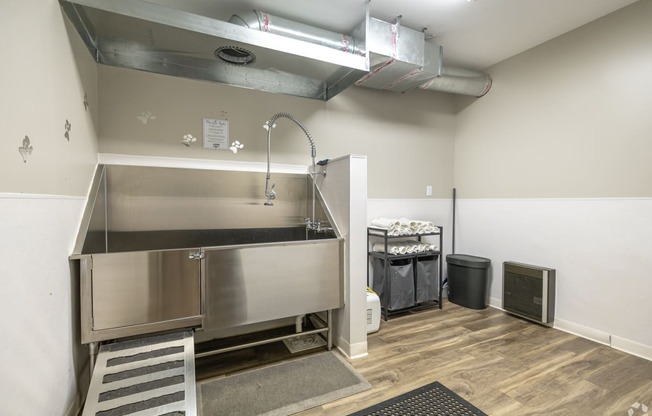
(502, 364)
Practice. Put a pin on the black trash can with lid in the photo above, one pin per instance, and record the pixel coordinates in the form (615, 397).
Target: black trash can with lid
(468, 280)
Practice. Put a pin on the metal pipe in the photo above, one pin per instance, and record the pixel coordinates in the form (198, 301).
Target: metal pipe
(266, 22)
(270, 194)
(93, 349)
(446, 79)
(454, 200)
(459, 81)
(298, 323)
(256, 343)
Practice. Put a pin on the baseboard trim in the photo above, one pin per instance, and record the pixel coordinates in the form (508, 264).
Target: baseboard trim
(613, 341)
(75, 406)
(352, 351)
(632, 347)
(583, 331)
(496, 303)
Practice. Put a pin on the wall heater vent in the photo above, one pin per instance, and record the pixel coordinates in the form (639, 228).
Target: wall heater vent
(529, 292)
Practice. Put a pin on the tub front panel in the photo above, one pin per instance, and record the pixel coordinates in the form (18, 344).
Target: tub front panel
(246, 285)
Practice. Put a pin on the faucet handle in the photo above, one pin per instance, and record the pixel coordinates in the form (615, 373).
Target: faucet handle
(270, 195)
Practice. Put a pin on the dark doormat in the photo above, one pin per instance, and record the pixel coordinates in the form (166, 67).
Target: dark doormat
(282, 388)
(430, 400)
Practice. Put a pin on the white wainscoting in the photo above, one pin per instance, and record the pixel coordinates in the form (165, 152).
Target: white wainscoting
(39, 355)
(601, 249)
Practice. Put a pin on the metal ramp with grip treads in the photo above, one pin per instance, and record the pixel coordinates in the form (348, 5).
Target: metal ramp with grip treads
(141, 377)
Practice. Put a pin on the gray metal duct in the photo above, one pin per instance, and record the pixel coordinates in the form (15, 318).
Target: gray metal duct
(399, 58)
(278, 55)
(266, 22)
(145, 36)
(403, 60)
(459, 81)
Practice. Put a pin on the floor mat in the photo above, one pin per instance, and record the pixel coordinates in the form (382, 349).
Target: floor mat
(429, 400)
(281, 389)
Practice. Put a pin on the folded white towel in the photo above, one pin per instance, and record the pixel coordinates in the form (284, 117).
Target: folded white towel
(432, 247)
(392, 248)
(385, 223)
(405, 247)
(404, 226)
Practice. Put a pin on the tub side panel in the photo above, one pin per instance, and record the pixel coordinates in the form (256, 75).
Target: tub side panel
(260, 283)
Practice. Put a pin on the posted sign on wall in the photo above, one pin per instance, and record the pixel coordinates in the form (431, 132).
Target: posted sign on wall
(216, 134)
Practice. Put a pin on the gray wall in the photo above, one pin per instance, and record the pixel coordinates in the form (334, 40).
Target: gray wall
(570, 118)
(408, 138)
(552, 168)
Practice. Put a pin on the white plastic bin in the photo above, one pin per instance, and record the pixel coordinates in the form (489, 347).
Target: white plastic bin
(373, 312)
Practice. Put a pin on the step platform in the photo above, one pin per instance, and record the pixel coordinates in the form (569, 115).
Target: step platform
(144, 377)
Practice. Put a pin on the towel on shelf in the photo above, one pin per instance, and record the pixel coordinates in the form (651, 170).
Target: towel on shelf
(405, 247)
(392, 226)
(431, 247)
(385, 223)
(410, 248)
(419, 246)
(404, 226)
(424, 227)
(392, 248)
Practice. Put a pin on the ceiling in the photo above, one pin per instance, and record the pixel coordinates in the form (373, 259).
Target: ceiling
(475, 34)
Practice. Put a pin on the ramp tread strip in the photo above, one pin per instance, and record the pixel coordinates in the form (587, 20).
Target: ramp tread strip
(150, 369)
(143, 405)
(138, 364)
(151, 395)
(112, 362)
(143, 348)
(143, 342)
(118, 384)
(139, 388)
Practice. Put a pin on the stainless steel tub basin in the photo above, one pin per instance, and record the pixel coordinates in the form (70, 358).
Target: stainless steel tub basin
(138, 281)
(174, 239)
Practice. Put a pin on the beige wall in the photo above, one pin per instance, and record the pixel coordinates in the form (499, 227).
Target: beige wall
(44, 78)
(408, 138)
(570, 118)
(552, 168)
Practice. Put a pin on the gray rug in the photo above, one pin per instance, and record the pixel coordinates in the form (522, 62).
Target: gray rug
(282, 388)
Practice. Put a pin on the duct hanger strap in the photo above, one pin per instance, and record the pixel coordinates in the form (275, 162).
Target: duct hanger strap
(395, 35)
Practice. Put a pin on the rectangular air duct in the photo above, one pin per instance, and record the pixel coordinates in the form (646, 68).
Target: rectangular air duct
(263, 52)
(145, 36)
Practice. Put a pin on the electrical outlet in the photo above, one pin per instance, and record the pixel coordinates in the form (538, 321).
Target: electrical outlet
(428, 190)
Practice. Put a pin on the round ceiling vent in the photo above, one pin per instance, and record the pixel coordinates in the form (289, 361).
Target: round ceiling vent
(235, 55)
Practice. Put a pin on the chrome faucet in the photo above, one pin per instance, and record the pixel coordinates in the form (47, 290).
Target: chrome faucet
(270, 194)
